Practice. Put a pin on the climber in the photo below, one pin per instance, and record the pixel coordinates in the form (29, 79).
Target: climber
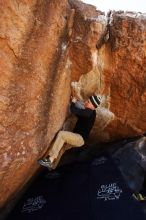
(86, 117)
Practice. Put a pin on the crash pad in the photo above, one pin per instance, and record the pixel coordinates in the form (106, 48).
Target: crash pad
(89, 190)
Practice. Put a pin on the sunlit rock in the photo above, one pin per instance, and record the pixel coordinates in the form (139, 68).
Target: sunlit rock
(49, 48)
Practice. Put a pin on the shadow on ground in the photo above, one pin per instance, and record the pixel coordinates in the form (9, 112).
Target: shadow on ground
(86, 185)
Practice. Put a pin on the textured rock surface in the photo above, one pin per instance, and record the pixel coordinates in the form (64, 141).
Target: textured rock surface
(44, 46)
(128, 81)
(34, 85)
(117, 70)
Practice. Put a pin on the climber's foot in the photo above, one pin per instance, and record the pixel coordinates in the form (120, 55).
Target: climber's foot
(46, 162)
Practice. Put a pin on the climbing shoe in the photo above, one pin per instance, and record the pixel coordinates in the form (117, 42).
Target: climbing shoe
(46, 162)
(139, 196)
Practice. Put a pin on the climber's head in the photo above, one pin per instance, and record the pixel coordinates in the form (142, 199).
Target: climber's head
(93, 102)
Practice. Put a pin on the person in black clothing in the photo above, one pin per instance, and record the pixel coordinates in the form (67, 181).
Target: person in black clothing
(86, 117)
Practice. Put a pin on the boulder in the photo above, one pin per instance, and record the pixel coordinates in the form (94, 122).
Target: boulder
(34, 85)
(48, 48)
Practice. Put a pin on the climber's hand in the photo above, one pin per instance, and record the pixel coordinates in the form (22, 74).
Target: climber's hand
(73, 99)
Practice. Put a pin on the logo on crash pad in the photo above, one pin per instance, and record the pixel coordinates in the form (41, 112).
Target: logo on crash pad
(33, 204)
(99, 161)
(109, 192)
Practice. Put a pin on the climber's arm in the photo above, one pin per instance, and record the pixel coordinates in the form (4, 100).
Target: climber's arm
(78, 111)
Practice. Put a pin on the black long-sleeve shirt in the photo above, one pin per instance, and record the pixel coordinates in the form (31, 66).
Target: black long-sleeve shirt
(86, 118)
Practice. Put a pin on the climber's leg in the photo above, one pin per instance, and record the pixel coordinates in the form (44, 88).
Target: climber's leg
(72, 139)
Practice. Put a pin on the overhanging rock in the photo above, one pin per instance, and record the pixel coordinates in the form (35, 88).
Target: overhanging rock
(46, 45)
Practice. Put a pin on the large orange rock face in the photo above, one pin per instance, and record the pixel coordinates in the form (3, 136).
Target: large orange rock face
(116, 49)
(47, 46)
(128, 81)
(34, 76)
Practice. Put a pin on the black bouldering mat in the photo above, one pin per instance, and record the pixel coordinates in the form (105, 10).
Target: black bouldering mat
(91, 190)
